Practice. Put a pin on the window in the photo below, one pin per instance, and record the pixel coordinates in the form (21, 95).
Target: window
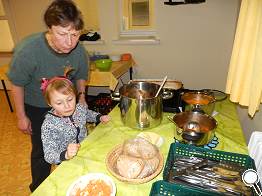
(6, 40)
(136, 18)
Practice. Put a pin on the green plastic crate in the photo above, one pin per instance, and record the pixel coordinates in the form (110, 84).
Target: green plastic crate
(178, 149)
(161, 187)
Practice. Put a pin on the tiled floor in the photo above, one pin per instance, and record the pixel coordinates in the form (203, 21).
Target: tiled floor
(15, 148)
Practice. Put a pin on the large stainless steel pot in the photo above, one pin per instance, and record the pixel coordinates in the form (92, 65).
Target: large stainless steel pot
(139, 107)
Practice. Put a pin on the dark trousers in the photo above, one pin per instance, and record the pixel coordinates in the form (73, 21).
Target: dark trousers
(40, 169)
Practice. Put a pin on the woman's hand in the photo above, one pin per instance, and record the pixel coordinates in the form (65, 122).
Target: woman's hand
(72, 150)
(81, 99)
(24, 124)
(105, 118)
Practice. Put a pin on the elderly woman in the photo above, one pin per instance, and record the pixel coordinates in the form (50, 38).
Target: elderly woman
(44, 55)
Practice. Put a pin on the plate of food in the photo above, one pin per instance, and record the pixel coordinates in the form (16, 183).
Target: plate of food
(95, 184)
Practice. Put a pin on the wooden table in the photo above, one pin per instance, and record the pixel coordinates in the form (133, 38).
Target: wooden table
(109, 78)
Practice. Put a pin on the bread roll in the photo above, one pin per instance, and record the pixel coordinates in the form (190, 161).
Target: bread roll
(140, 148)
(129, 167)
(149, 167)
(131, 148)
(147, 150)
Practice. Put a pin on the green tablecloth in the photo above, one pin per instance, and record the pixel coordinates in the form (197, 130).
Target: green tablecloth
(91, 157)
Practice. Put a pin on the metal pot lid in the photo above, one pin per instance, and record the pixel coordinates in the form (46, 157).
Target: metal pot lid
(219, 95)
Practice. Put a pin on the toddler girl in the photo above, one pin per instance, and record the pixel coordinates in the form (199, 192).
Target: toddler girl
(64, 126)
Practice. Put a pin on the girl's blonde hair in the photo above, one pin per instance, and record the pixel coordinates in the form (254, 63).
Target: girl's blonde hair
(62, 85)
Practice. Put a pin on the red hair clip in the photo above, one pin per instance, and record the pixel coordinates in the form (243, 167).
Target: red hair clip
(45, 82)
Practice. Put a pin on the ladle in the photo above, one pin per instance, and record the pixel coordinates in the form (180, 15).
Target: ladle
(161, 86)
(190, 132)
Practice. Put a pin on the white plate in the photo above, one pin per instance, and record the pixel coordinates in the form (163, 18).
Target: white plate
(83, 181)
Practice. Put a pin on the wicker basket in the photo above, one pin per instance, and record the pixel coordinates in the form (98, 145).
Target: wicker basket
(113, 155)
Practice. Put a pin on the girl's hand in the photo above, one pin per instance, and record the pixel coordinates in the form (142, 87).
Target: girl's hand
(105, 118)
(72, 150)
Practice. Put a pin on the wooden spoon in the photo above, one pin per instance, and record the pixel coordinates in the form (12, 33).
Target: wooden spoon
(161, 86)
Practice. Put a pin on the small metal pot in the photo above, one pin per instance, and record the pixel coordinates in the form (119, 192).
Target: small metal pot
(194, 127)
(138, 105)
(199, 101)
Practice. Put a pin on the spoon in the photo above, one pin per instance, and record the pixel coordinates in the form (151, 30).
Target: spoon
(161, 86)
(171, 119)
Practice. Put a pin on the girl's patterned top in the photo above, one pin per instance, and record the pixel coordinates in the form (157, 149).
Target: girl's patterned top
(57, 132)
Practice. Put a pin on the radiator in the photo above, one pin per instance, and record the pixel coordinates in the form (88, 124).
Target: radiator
(255, 150)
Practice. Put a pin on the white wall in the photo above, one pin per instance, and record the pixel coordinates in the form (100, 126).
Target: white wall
(249, 124)
(195, 42)
(28, 16)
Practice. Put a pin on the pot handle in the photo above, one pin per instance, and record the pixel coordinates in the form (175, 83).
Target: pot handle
(167, 94)
(218, 95)
(115, 96)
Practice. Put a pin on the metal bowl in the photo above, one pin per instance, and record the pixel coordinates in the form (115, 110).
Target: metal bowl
(194, 127)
